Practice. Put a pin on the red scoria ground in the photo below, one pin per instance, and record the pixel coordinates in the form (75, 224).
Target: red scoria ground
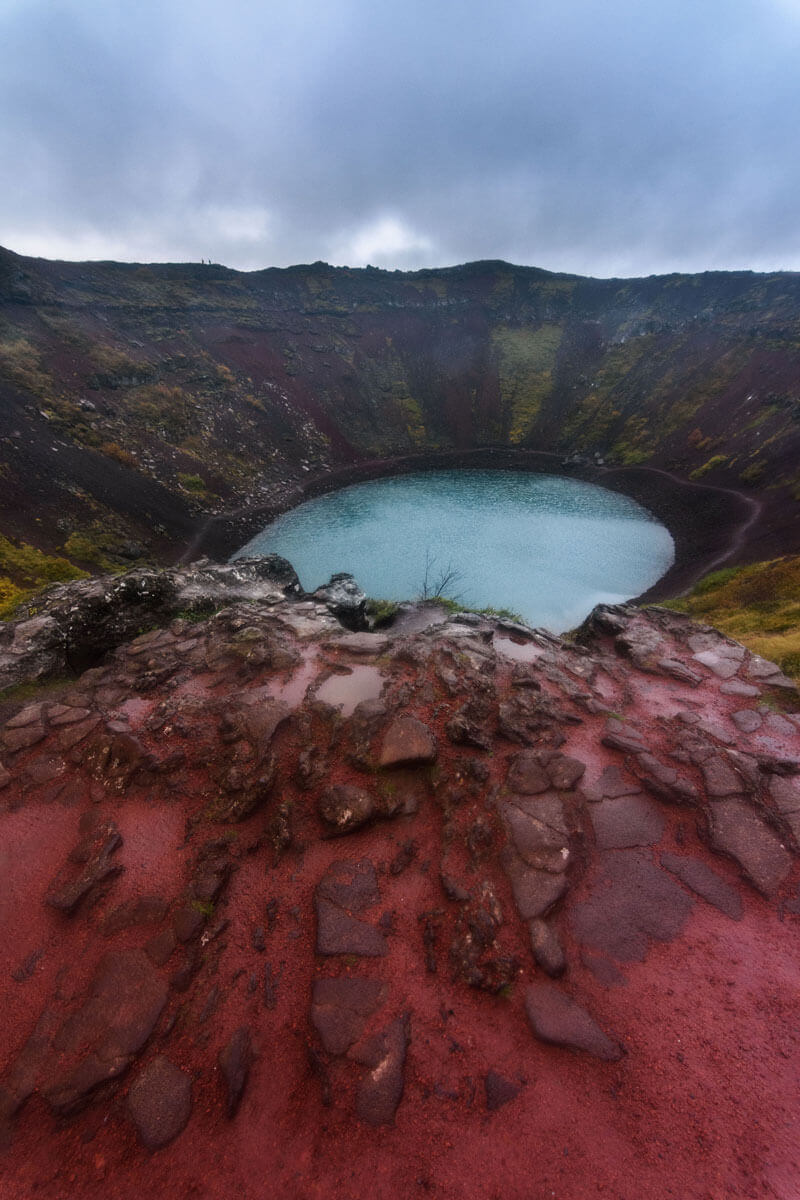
(496, 915)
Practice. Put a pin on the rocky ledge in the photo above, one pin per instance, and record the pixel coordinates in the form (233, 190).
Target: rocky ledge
(287, 899)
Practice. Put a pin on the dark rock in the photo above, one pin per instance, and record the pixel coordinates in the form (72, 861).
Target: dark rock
(160, 1102)
(407, 742)
(125, 1000)
(345, 600)
(188, 921)
(630, 901)
(564, 772)
(499, 1091)
(160, 947)
(631, 820)
(537, 829)
(620, 736)
(612, 783)
(381, 1090)
(32, 714)
(351, 885)
(736, 829)
(22, 739)
(705, 883)
(141, 910)
(747, 720)
(557, 1018)
(548, 951)
(345, 807)
(340, 1009)
(95, 851)
(339, 933)
(234, 1063)
(26, 969)
(535, 892)
(720, 778)
(526, 774)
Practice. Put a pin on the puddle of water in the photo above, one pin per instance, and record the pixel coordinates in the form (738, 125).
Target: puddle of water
(293, 692)
(346, 691)
(519, 651)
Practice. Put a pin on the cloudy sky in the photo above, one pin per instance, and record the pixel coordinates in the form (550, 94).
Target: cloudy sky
(626, 137)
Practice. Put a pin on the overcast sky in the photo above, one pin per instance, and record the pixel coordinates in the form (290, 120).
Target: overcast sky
(626, 137)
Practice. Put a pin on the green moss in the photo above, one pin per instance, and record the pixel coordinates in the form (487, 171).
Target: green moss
(191, 483)
(381, 611)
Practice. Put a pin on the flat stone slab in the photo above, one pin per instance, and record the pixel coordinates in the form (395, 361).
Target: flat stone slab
(340, 1009)
(160, 1102)
(407, 742)
(537, 831)
(126, 999)
(631, 901)
(737, 830)
(613, 783)
(362, 643)
(705, 883)
(720, 778)
(381, 1090)
(737, 687)
(627, 821)
(350, 885)
(560, 1020)
(535, 891)
(339, 933)
(347, 888)
(747, 720)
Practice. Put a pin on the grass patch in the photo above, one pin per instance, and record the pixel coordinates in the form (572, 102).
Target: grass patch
(758, 605)
(24, 570)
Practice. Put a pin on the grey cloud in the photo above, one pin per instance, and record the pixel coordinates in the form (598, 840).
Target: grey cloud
(615, 138)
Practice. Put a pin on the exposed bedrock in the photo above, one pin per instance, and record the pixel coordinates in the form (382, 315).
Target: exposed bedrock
(226, 890)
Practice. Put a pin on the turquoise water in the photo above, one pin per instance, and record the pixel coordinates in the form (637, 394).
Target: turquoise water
(546, 547)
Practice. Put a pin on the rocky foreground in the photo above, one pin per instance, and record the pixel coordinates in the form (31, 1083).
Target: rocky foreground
(295, 909)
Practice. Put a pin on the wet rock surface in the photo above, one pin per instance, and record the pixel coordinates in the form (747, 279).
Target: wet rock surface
(224, 895)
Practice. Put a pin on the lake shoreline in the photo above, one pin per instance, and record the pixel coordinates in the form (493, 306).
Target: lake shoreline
(708, 524)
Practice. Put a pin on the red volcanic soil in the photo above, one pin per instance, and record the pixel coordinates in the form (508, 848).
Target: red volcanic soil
(524, 926)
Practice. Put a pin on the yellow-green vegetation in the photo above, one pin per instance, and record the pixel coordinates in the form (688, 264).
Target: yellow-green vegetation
(21, 362)
(716, 460)
(411, 414)
(758, 605)
(526, 360)
(170, 411)
(93, 545)
(24, 570)
(636, 444)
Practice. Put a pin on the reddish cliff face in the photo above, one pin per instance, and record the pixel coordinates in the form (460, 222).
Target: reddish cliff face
(470, 911)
